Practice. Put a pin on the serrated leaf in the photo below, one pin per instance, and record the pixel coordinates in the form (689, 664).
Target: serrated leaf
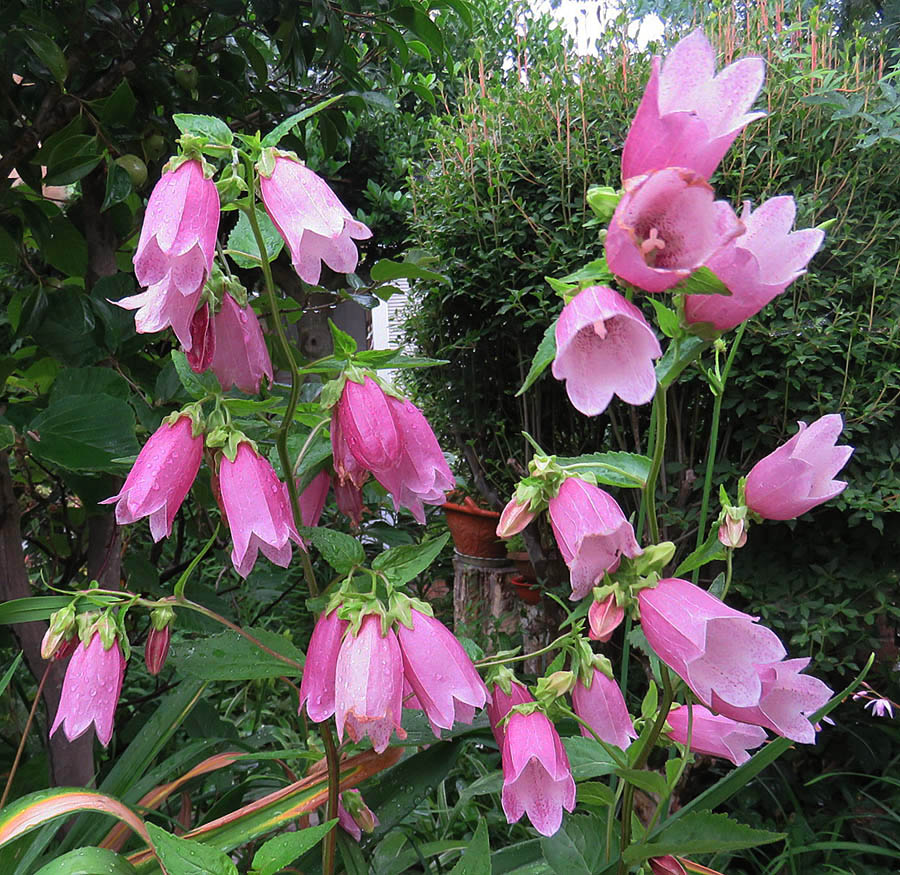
(344, 344)
(577, 848)
(196, 385)
(629, 470)
(279, 852)
(588, 758)
(342, 552)
(476, 858)
(711, 550)
(595, 793)
(231, 657)
(666, 319)
(186, 857)
(242, 242)
(207, 126)
(678, 355)
(274, 137)
(545, 354)
(650, 782)
(385, 270)
(402, 564)
(594, 271)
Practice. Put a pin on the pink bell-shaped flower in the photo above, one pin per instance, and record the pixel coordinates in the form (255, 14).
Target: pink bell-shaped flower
(367, 425)
(313, 222)
(604, 618)
(800, 474)
(713, 734)
(317, 686)
(257, 509)
(161, 477)
(91, 690)
(241, 358)
(312, 499)
(667, 225)
(787, 699)
(689, 116)
(369, 685)
(162, 306)
(603, 708)
(757, 266)
(715, 649)
(501, 703)
(592, 533)
(445, 683)
(604, 346)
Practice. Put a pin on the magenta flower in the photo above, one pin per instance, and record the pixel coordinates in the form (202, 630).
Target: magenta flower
(161, 477)
(501, 703)
(367, 425)
(369, 684)
(715, 649)
(592, 533)
(313, 222)
(757, 266)
(667, 865)
(162, 306)
(689, 116)
(91, 690)
(203, 340)
(800, 474)
(156, 650)
(713, 734)
(257, 509)
(349, 500)
(603, 708)
(516, 516)
(317, 686)
(445, 683)
(666, 226)
(604, 346)
(604, 618)
(787, 699)
(241, 358)
(312, 499)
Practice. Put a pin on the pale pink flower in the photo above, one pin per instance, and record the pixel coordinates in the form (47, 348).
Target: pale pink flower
(757, 266)
(689, 116)
(369, 685)
(604, 618)
(241, 358)
(881, 707)
(160, 478)
(592, 533)
(800, 474)
(317, 686)
(257, 510)
(604, 346)
(516, 516)
(667, 225)
(715, 649)
(91, 690)
(162, 306)
(603, 708)
(713, 734)
(313, 222)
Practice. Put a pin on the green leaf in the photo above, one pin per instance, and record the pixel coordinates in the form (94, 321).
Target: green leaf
(595, 794)
(119, 107)
(231, 657)
(416, 20)
(545, 354)
(629, 470)
(281, 851)
(274, 137)
(700, 832)
(196, 385)
(385, 270)
(593, 272)
(242, 242)
(7, 675)
(344, 344)
(342, 552)
(588, 758)
(489, 783)
(84, 433)
(402, 564)
(7, 436)
(88, 381)
(66, 249)
(577, 848)
(9, 248)
(48, 52)
(186, 857)
(27, 610)
(702, 282)
(711, 550)
(650, 782)
(88, 861)
(678, 355)
(118, 185)
(207, 126)
(476, 858)
(666, 319)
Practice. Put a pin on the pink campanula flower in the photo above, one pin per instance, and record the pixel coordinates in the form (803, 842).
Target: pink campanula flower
(689, 116)
(312, 499)
(800, 474)
(257, 509)
(713, 734)
(757, 266)
(604, 346)
(446, 685)
(203, 340)
(241, 358)
(667, 225)
(501, 703)
(592, 533)
(516, 516)
(349, 500)
(354, 816)
(163, 306)
(317, 686)
(313, 222)
(786, 701)
(603, 708)
(604, 618)
(369, 685)
(715, 649)
(667, 865)
(91, 690)
(161, 477)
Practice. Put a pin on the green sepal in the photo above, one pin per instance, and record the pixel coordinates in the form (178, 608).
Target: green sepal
(86, 622)
(500, 676)
(654, 558)
(107, 628)
(402, 606)
(332, 391)
(237, 290)
(603, 200)
(162, 617)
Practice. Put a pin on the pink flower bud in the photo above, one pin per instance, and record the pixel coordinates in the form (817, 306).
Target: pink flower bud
(59, 632)
(604, 618)
(312, 499)
(713, 734)
(516, 516)
(732, 532)
(354, 816)
(203, 341)
(241, 358)
(317, 688)
(668, 865)
(603, 708)
(157, 648)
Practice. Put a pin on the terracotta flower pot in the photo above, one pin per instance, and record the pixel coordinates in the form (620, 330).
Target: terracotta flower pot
(525, 590)
(474, 530)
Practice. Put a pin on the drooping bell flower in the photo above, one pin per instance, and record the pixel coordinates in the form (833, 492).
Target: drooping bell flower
(757, 266)
(161, 477)
(604, 346)
(257, 509)
(713, 734)
(241, 358)
(354, 816)
(203, 341)
(516, 516)
(667, 225)
(367, 425)
(800, 474)
(312, 499)
(91, 689)
(317, 686)
(445, 683)
(501, 703)
(604, 618)
(602, 706)
(349, 500)
(715, 649)
(369, 685)
(163, 306)
(689, 116)
(786, 701)
(592, 533)
(313, 222)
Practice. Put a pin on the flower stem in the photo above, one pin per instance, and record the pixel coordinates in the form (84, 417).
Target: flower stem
(28, 722)
(488, 661)
(659, 448)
